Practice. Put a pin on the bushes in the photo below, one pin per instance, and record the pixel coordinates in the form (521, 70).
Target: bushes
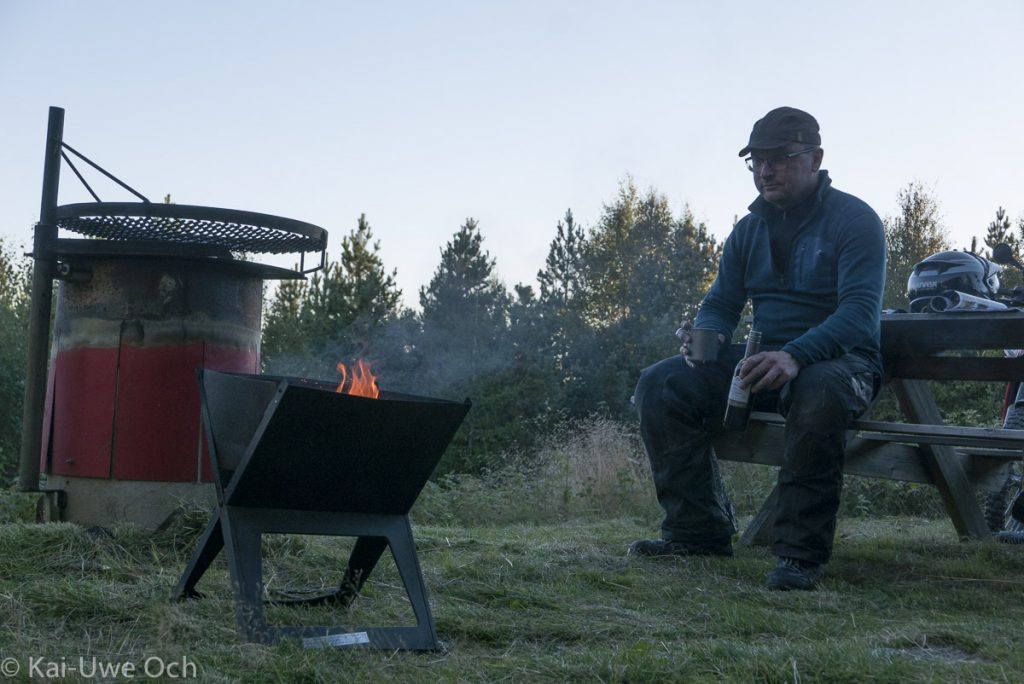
(588, 467)
(597, 467)
(14, 298)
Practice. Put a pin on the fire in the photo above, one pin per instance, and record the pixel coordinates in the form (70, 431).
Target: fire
(360, 380)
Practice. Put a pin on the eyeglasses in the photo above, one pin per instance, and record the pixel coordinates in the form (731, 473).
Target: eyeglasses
(777, 162)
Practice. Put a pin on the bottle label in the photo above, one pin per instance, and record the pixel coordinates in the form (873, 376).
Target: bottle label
(738, 395)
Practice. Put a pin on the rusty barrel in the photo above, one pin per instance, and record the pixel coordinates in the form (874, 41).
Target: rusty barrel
(122, 431)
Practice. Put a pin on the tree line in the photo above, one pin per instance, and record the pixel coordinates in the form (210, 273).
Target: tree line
(528, 357)
(607, 301)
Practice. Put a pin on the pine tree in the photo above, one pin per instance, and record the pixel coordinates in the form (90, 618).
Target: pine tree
(285, 343)
(369, 292)
(464, 308)
(1000, 231)
(336, 315)
(464, 346)
(325, 308)
(911, 236)
(643, 263)
(571, 342)
(561, 306)
(561, 279)
(695, 255)
(644, 268)
(611, 257)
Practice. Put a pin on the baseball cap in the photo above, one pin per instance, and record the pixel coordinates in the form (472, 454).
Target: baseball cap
(780, 127)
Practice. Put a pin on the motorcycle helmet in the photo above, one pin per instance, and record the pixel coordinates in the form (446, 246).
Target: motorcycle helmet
(959, 271)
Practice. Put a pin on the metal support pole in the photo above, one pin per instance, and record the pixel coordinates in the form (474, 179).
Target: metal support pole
(39, 312)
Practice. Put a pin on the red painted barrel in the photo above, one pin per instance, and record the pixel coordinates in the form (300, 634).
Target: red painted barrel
(122, 400)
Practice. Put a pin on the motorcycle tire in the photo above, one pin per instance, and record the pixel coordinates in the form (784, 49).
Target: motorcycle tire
(998, 504)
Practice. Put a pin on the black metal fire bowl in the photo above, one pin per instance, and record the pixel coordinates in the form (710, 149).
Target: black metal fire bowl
(292, 456)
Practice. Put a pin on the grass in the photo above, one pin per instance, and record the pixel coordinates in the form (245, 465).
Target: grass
(529, 580)
(902, 601)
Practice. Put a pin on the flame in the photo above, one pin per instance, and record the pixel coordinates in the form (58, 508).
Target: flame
(360, 380)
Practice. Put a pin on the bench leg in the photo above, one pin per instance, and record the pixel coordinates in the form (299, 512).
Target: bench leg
(759, 531)
(918, 405)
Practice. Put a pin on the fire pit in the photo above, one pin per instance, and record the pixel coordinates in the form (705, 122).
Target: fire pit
(294, 456)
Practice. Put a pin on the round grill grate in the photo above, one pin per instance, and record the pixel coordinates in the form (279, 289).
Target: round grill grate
(241, 231)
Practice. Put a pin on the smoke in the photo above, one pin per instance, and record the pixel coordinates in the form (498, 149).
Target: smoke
(404, 355)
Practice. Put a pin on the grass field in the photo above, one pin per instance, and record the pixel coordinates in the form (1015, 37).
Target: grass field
(903, 601)
(529, 581)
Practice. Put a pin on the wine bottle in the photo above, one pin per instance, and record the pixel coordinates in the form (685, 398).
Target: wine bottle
(737, 410)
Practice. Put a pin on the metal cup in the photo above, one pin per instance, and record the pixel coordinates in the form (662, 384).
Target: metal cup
(704, 344)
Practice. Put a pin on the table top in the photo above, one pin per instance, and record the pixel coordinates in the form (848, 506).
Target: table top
(912, 344)
(917, 334)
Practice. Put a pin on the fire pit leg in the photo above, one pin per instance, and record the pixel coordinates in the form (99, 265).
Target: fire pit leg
(364, 557)
(242, 529)
(404, 550)
(365, 554)
(245, 564)
(209, 545)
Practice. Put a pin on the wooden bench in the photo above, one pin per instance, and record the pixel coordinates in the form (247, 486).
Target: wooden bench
(957, 460)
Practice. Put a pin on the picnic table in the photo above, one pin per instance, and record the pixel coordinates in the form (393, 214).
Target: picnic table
(958, 460)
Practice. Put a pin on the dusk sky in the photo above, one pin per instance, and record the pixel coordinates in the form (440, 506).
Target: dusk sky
(421, 114)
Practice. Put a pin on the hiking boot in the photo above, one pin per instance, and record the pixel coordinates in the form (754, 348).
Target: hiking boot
(792, 573)
(656, 548)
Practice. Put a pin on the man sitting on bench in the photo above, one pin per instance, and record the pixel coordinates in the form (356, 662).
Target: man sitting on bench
(811, 259)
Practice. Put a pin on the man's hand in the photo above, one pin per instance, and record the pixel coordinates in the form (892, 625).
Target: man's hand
(768, 370)
(683, 333)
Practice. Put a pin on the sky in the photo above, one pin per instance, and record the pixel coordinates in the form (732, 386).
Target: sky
(422, 114)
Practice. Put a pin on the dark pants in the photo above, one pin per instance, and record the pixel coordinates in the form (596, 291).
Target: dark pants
(681, 409)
